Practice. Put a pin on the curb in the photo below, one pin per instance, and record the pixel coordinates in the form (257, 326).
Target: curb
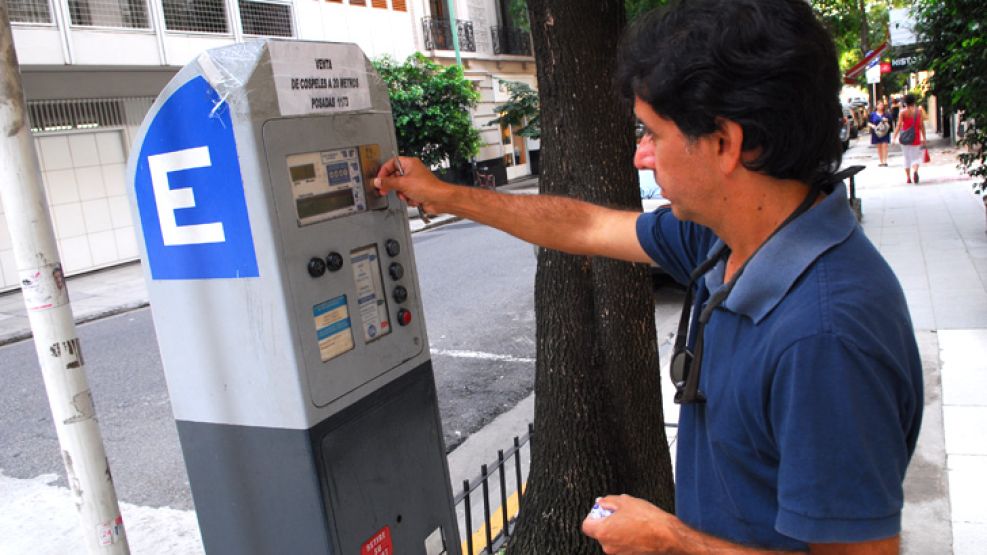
(86, 318)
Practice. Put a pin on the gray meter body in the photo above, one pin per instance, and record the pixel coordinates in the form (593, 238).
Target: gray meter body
(286, 304)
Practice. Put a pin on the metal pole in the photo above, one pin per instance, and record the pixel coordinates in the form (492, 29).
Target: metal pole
(455, 30)
(50, 314)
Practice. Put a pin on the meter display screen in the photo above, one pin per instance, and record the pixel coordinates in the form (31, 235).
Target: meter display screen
(327, 184)
(302, 173)
(310, 207)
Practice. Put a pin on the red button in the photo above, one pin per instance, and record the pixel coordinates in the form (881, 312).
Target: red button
(404, 317)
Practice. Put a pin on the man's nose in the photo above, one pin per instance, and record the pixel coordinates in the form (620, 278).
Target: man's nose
(644, 156)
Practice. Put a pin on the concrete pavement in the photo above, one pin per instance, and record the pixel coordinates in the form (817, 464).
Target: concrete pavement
(933, 235)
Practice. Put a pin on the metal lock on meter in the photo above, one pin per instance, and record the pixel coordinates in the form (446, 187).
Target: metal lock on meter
(287, 308)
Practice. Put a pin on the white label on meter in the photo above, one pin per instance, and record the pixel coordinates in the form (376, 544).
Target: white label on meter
(333, 328)
(319, 78)
(370, 297)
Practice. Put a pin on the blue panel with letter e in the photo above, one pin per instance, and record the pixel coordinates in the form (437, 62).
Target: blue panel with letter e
(190, 192)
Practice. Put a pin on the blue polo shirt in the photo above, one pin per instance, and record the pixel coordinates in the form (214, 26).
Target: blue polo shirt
(813, 384)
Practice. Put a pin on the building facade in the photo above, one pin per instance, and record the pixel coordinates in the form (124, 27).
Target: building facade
(92, 68)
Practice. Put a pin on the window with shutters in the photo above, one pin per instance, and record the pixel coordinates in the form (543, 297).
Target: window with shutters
(399, 5)
(268, 19)
(126, 14)
(28, 11)
(199, 16)
(379, 4)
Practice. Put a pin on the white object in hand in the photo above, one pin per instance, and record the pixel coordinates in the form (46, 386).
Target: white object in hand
(598, 512)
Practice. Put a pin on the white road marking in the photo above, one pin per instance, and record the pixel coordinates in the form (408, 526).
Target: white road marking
(480, 355)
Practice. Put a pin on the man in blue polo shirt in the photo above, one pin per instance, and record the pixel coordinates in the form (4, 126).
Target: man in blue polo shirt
(796, 363)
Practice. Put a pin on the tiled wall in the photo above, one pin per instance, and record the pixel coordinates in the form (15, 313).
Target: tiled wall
(84, 175)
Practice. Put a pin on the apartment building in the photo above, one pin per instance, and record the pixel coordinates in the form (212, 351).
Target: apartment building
(92, 68)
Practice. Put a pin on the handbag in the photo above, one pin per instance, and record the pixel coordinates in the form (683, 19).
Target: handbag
(926, 158)
(907, 137)
(882, 129)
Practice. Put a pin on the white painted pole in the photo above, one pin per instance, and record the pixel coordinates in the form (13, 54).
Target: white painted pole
(50, 315)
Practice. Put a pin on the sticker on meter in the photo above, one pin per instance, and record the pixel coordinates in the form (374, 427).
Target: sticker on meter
(333, 328)
(371, 300)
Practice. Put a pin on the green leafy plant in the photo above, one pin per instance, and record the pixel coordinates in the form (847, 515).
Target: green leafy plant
(955, 49)
(521, 108)
(431, 106)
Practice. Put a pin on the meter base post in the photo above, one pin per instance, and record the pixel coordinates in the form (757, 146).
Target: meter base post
(377, 464)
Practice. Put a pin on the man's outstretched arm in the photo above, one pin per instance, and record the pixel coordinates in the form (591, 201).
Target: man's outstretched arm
(559, 223)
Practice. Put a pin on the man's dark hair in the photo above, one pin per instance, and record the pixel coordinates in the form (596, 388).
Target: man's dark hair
(909, 99)
(768, 65)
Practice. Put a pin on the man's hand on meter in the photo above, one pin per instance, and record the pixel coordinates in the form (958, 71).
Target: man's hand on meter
(417, 187)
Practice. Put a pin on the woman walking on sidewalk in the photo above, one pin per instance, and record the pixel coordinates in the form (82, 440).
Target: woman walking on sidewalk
(911, 134)
(880, 132)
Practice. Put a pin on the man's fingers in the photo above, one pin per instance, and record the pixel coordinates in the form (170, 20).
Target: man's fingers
(609, 502)
(388, 168)
(591, 527)
(385, 185)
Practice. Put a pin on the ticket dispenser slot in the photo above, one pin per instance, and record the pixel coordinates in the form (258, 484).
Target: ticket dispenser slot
(286, 303)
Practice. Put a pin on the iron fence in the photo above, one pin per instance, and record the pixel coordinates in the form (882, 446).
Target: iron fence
(491, 541)
(508, 40)
(438, 34)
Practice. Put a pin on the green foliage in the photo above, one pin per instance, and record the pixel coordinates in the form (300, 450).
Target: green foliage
(520, 109)
(846, 20)
(955, 49)
(431, 107)
(635, 8)
(519, 15)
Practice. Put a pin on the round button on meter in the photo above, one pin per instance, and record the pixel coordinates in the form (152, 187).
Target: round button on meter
(392, 247)
(334, 261)
(396, 270)
(404, 317)
(400, 294)
(316, 267)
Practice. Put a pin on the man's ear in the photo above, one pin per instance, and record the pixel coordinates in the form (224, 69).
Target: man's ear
(730, 141)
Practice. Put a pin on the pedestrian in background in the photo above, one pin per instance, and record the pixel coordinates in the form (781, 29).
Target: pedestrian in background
(911, 135)
(880, 132)
(895, 112)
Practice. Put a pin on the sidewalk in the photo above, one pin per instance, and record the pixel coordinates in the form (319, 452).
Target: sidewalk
(932, 234)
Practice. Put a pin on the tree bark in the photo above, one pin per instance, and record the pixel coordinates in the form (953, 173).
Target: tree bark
(598, 416)
(864, 33)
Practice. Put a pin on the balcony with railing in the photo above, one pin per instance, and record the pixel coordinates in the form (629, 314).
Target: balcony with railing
(438, 34)
(509, 40)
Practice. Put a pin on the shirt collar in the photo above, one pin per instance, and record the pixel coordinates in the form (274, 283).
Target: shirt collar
(772, 271)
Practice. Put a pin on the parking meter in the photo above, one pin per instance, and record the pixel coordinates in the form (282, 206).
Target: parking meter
(287, 308)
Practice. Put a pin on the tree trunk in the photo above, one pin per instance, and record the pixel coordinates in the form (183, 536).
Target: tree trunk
(598, 418)
(864, 40)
